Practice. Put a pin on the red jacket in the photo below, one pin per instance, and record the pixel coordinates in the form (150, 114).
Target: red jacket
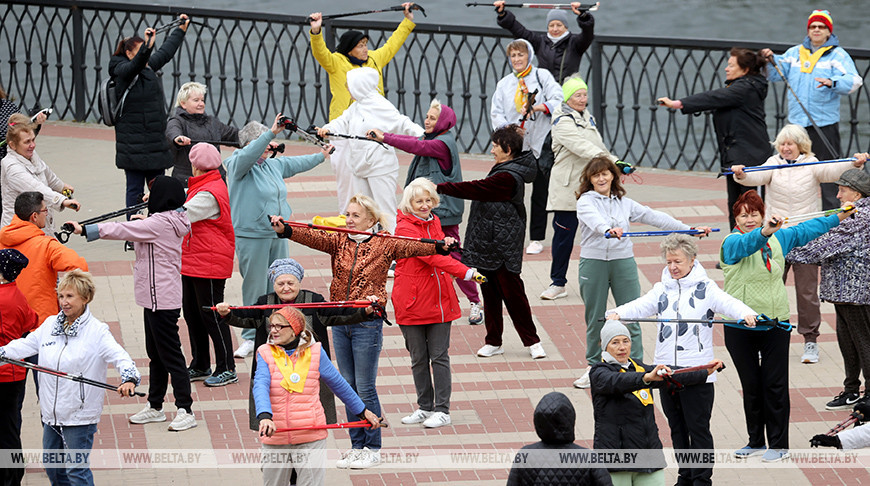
(16, 318)
(423, 290)
(207, 251)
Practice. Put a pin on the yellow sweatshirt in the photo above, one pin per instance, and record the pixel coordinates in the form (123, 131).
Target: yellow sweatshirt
(337, 65)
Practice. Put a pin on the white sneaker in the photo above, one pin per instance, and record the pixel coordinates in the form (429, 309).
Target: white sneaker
(367, 458)
(475, 317)
(418, 417)
(554, 292)
(583, 381)
(488, 351)
(147, 415)
(182, 421)
(438, 419)
(245, 349)
(347, 458)
(537, 351)
(534, 248)
(811, 353)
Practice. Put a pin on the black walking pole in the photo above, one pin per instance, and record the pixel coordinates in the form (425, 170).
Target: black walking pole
(394, 8)
(61, 374)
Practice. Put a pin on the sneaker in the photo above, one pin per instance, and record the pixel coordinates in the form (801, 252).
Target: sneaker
(748, 451)
(811, 353)
(583, 381)
(438, 419)
(844, 401)
(347, 458)
(197, 375)
(366, 458)
(182, 421)
(391, 273)
(554, 292)
(534, 248)
(222, 379)
(475, 317)
(418, 417)
(775, 455)
(488, 351)
(245, 349)
(147, 415)
(537, 351)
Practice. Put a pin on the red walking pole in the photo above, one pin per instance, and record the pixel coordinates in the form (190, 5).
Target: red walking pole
(347, 425)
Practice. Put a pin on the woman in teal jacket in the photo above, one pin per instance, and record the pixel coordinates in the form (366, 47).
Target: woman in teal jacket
(256, 187)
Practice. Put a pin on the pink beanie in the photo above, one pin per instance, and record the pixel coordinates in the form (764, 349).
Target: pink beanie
(205, 157)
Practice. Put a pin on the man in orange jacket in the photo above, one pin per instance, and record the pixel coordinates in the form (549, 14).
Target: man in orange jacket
(47, 255)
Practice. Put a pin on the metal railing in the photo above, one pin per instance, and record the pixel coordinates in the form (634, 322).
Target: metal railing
(54, 52)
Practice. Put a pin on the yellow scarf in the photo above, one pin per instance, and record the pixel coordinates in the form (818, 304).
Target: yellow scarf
(644, 394)
(294, 371)
(809, 59)
(521, 97)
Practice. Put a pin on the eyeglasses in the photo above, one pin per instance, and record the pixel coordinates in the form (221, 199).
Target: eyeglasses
(817, 27)
(278, 326)
(41, 211)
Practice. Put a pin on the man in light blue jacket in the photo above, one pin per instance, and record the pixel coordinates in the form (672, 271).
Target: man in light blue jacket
(820, 72)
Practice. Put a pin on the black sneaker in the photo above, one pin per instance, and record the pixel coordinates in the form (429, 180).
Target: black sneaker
(198, 375)
(844, 401)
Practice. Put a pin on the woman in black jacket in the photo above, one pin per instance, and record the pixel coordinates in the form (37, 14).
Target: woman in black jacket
(286, 275)
(623, 409)
(738, 116)
(141, 148)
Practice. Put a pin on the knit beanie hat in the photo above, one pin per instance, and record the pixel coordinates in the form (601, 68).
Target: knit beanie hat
(571, 86)
(348, 41)
(559, 15)
(822, 16)
(205, 157)
(284, 266)
(611, 329)
(294, 317)
(11, 263)
(167, 193)
(856, 179)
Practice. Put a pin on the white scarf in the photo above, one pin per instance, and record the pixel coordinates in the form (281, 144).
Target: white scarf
(557, 39)
(361, 238)
(608, 358)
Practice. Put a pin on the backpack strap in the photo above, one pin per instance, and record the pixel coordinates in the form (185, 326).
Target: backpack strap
(120, 107)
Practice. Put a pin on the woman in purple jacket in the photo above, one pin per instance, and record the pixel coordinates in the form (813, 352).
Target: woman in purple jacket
(436, 158)
(157, 276)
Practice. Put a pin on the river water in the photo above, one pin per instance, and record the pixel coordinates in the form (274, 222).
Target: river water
(751, 20)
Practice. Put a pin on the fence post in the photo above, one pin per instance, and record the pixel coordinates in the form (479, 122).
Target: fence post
(597, 95)
(78, 63)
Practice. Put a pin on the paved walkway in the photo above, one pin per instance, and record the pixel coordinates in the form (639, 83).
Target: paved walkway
(493, 398)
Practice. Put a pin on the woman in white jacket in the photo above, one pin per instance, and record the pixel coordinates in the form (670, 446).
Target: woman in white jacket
(77, 343)
(509, 104)
(791, 192)
(375, 166)
(607, 264)
(685, 292)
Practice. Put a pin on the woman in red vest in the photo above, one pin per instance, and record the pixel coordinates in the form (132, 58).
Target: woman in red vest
(206, 263)
(287, 395)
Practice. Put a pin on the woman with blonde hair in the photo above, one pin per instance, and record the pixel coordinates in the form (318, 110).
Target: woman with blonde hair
(359, 269)
(190, 125)
(791, 192)
(426, 304)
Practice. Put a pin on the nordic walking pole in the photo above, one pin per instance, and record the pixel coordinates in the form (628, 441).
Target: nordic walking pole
(825, 141)
(394, 8)
(661, 233)
(294, 224)
(67, 229)
(763, 323)
(61, 374)
(346, 425)
(291, 125)
(760, 168)
(817, 214)
(359, 304)
(549, 6)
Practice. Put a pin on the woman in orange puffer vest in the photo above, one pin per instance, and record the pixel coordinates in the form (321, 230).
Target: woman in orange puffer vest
(287, 395)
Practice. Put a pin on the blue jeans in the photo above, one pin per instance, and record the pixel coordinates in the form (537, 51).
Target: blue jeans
(57, 438)
(357, 348)
(564, 230)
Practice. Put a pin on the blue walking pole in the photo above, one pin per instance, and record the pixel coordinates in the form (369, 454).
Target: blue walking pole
(661, 233)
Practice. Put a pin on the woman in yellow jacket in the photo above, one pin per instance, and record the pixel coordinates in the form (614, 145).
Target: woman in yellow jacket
(352, 52)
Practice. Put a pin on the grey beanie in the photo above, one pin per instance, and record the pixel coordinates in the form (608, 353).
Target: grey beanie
(559, 15)
(856, 179)
(611, 329)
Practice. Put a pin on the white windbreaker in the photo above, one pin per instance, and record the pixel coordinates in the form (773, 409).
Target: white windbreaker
(85, 347)
(370, 110)
(694, 296)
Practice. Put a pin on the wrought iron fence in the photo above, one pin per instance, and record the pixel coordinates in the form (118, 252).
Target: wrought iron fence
(53, 52)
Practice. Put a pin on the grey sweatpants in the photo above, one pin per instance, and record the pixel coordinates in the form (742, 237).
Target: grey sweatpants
(428, 344)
